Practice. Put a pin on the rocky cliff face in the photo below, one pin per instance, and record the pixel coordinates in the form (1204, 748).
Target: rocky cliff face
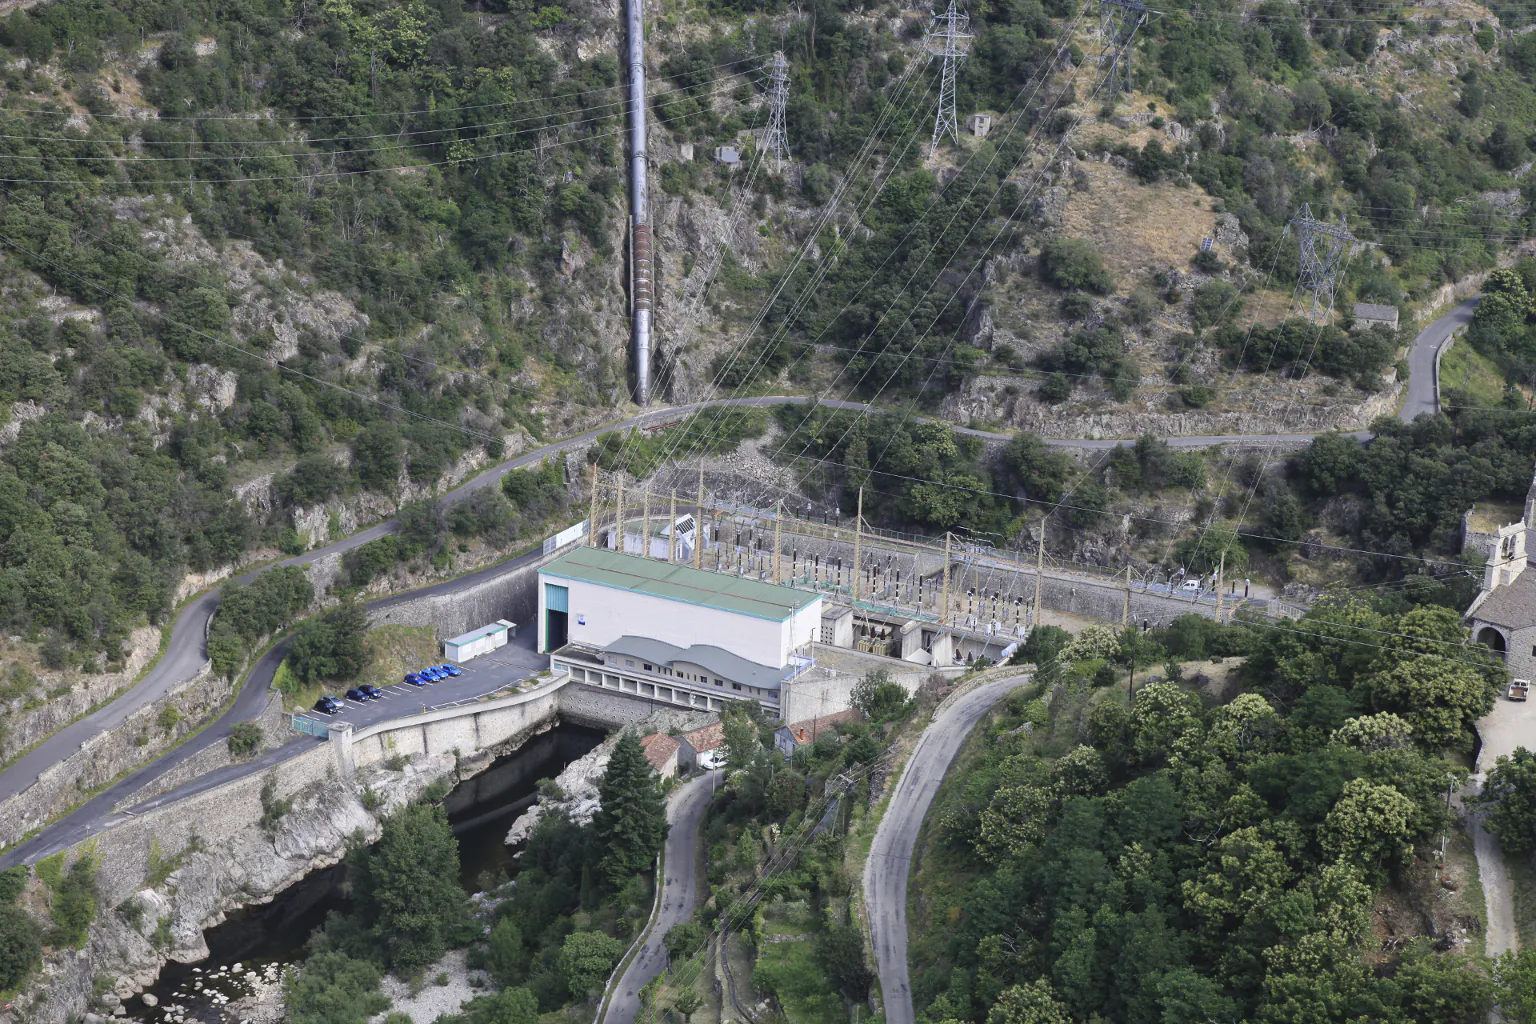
(1010, 403)
(140, 928)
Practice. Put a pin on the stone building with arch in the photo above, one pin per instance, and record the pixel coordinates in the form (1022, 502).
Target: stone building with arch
(1504, 615)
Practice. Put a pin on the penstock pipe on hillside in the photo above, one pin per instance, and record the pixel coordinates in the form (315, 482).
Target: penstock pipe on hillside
(640, 215)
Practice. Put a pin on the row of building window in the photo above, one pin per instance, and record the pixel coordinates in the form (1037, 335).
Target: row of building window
(625, 684)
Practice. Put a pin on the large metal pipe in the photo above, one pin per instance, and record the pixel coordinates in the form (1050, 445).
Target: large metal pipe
(640, 214)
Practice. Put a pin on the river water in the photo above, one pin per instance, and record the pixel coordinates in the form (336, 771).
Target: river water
(248, 952)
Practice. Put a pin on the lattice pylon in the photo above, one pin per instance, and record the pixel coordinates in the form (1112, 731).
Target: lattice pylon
(1119, 21)
(947, 40)
(776, 141)
(1323, 248)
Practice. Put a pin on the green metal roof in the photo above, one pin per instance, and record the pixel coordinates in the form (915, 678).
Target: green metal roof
(680, 583)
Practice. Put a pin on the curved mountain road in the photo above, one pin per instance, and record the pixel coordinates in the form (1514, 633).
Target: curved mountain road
(185, 655)
(679, 896)
(890, 854)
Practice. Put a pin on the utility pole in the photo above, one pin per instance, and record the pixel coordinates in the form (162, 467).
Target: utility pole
(775, 140)
(858, 536)
(1125, 611)
(1221, 568)
(672, 530)
(944, 601)
(1119, 21)
(947, 40)
(1034, 623)
(698, 523)
(618, 517)
(592, 510)
(1324, 248)
(776, 577)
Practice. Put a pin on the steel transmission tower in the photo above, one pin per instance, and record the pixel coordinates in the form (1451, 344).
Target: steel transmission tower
(947, 40)
(777, 140)
(1324, 247)
(1119, 20)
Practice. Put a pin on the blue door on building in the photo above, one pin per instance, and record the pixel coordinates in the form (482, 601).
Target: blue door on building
(557, 607)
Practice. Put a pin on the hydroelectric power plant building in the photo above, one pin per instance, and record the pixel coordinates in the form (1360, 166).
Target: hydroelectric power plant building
(672, 633)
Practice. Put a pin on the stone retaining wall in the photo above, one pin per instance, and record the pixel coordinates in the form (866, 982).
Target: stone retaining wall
(275, 731)
(25, 728)
(107, 755)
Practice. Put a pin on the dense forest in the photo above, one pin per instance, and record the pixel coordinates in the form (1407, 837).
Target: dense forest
(1194, 856)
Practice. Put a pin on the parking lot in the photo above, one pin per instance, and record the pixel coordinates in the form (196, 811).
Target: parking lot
(482, 676)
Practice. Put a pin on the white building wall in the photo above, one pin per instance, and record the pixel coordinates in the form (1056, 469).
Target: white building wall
(600, 615)
(803, 627)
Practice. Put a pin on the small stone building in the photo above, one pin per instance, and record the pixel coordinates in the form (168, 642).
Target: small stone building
(979, 125)
(1369, 314)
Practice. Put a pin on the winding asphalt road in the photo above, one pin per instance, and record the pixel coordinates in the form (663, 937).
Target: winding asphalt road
(890, 855)
(679, 895)
(1423, 384)
(185, 654)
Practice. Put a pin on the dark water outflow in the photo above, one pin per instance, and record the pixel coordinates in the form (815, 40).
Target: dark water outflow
(248, 951)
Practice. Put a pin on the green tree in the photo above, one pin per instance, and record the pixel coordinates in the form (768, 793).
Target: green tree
(74, 903)
(332, 646)
(586, 959)
(20, 947)
(683, 940)
(1034, 1003)
(840, 951)
(1508, 800)
(1043, 471)
(742, 740)
(506, 956)
(1440, 699)
(878, 697)
(333, 988)
(1369, 826)
(1073, 263)
(407, 885)
(631, 820)
(509, 1006)
(13, 882)
(378, 451)
(245, 739)
(1514, 979)
(687, 1003)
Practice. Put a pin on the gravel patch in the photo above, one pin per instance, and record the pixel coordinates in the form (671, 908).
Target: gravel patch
(434, 1000)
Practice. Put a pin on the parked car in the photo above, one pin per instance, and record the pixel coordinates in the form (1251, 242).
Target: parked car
(357, 695)
(434, 674)
(372, 692)
(452, 670)
(329, 705)
(415, 679)
(1191, 587)
(1519, 689)
(428, 675)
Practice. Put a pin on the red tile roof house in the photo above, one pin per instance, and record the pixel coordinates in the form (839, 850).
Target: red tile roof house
(702, 748)
(661, 752)
(788, 738)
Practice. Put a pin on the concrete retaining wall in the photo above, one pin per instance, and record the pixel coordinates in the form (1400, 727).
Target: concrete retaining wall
(463, 731)
(511, 594)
